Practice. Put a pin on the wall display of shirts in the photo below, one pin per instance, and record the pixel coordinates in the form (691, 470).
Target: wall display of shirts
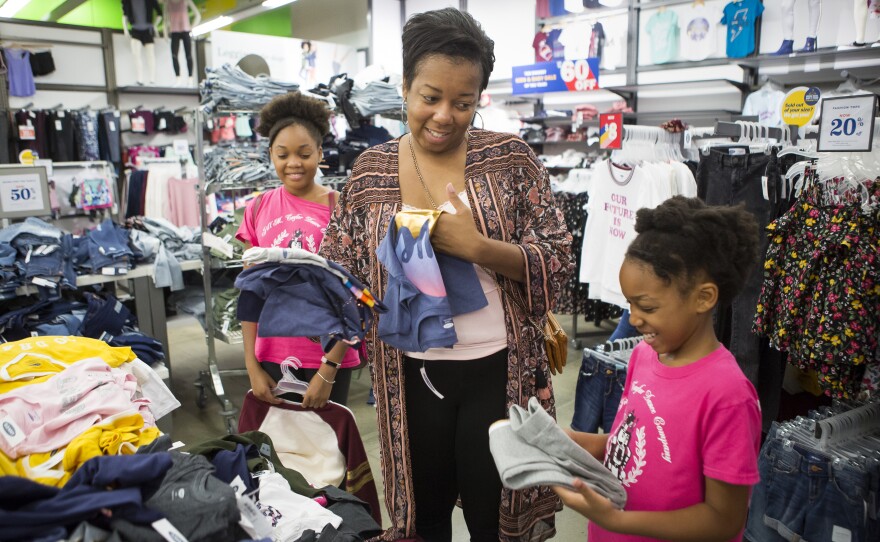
(697, 31)
(662, 27)
(740, 16)
(572, 41)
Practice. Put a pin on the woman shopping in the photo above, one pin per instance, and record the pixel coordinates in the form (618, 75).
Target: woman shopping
(435, 405)
(293, 215)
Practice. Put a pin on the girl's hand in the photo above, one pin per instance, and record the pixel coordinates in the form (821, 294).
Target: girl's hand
(590, 504)
(318, 393)
(262, 385)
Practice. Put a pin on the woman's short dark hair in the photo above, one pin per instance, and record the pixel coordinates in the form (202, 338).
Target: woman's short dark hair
(448, 32)
(294, 109)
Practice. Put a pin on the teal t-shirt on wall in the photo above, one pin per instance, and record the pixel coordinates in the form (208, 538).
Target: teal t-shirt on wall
(740, 17)
(663, 29)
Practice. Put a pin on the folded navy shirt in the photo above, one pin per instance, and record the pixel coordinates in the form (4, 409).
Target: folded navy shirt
(417, 321)
(303, 300)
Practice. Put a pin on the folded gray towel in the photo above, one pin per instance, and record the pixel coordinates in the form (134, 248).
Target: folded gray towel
(530, 450)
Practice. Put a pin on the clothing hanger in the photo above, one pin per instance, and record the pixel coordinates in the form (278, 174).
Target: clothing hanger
(289, 383)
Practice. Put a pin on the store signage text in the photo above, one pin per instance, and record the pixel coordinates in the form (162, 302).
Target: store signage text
(564, 76)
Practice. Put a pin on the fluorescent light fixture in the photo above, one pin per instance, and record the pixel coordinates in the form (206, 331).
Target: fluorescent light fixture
(213, 24)
(271, 4)
(11, 7)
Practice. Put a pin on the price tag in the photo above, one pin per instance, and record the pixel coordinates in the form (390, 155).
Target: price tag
(21, 193)
(162, 123)
(847, 124)
(111, 125)
(181, 147)
(58, 126)
(168, 531)
(138, 124)
(26, 132)
(610, 131)
(249, 511)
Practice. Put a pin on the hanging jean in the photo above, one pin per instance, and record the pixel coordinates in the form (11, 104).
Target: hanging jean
(597, 396)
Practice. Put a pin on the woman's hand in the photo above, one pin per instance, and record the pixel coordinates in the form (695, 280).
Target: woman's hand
(589, 504)
(456, 234)
(262, 385)
(319, 388)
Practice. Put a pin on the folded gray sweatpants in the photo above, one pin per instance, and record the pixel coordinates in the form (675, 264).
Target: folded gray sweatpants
(530, 450)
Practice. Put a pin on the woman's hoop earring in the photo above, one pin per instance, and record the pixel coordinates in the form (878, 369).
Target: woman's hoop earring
(403, 117)
(482, 122)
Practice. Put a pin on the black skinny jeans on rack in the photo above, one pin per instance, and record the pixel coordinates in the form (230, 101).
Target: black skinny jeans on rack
(449, 443)
(176, 38)
(725, 179)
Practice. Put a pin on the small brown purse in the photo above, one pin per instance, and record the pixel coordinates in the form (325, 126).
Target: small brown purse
(556, 342)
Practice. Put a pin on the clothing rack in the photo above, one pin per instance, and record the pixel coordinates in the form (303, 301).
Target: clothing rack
(736, 129)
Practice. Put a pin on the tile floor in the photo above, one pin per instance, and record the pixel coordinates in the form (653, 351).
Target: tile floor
(191, 424)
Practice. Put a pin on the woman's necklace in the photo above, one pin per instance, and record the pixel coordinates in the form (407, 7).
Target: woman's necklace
(412, 151)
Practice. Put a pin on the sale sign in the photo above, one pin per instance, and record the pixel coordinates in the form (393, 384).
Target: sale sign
(558, 76)
(21, 192)
(848, 123)
(610, 131)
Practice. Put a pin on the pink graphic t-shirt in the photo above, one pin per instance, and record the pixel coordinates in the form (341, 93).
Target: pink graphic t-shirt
(285, 220)
(677, 425)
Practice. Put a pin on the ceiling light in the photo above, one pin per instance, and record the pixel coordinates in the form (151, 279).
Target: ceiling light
(11, 7)
(276, 3)
(213, 24)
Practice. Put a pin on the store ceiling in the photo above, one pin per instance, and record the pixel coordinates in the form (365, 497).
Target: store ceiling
(308, 19)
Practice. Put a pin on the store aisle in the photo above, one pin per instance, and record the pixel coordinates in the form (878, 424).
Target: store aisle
(192, 425)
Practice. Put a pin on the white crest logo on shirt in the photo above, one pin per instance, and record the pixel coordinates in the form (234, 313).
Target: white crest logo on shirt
(619, 455)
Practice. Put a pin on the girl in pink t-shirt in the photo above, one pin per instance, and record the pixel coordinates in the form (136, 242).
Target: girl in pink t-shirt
(686, 437)
(294, 215)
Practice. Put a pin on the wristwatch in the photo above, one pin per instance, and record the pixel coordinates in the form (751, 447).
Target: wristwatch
(333, 364)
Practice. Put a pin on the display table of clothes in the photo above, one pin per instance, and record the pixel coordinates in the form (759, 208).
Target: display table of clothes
(42, 290)
(86, 461)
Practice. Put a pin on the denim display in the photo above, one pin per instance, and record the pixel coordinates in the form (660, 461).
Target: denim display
(108, 247)
(597, 395)
(377, 97)
(240, 165)
(229, 86)
(105, 314)
(805, 494)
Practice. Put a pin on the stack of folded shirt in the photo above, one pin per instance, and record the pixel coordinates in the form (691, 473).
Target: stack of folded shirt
(321, 290)
(530, 449)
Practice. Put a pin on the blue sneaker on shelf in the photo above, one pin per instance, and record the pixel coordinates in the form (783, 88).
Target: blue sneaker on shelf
(786, 48)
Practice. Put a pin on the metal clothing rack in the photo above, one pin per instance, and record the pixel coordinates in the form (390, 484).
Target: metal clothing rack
(213, 375)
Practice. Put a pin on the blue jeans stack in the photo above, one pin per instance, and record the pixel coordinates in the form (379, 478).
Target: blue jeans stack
(805, 494)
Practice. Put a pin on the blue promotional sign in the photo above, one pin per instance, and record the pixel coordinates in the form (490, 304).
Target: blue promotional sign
(564, 76)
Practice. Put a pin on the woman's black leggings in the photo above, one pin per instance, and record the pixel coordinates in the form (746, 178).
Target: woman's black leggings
(449, 443)
(176, 38)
